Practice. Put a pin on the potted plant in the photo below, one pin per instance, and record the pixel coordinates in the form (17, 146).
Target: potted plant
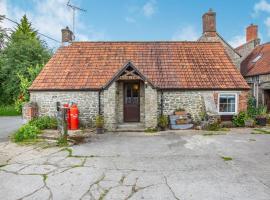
(100, 124)
(180, 111)
(163, 122)
(261, 117)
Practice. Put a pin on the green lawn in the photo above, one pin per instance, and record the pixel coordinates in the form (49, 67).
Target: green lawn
(8, 110)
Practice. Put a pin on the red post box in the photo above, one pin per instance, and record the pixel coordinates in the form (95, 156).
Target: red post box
(74, 117)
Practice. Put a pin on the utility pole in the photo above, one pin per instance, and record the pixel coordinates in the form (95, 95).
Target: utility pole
(74, 8)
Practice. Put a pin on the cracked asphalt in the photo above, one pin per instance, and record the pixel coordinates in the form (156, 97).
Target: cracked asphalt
(173, 165)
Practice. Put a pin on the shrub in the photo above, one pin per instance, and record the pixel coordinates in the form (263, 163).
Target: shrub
(262, 111)
(26, 132)
(251, 107)
(239, 120)
(150, 130)
(163, 121)
(8, 110)
(62, 142)
(213, 126)
(45, 122)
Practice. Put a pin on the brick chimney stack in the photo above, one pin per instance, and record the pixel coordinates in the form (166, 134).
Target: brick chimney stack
(67, 36)
(209, 23)
(251, 33)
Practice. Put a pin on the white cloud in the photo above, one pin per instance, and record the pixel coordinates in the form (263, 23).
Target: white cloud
(49, 17)
(186, 33)
(130, 20)
(237, 40)
(263, 5)
(149, 8)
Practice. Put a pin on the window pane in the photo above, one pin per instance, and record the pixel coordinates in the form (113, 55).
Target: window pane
(223, 107)
(231, 100)
(231, 107)
(223, 100)
(227, 103)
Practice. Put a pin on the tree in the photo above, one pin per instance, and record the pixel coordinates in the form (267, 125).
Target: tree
(25, 83)
(3, 34)
(24, 30)
(24, 50)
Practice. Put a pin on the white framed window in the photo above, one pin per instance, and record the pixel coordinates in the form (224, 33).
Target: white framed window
(227, 103)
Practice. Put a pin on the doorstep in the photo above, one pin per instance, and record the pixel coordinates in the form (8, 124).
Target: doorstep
(130, 127)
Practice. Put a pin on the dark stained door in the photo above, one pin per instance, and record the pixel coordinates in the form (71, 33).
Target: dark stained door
(132, 102)
(267, 99)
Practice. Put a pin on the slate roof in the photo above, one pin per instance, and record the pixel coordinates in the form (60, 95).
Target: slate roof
(262, 66)
(167, 65)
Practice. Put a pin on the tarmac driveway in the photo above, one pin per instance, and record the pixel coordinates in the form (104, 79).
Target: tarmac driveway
(180, 165)
(8, 125)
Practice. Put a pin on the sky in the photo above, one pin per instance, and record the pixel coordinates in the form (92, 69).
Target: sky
(140, 20)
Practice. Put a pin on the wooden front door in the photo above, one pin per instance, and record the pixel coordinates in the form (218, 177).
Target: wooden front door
(132, 102)
(267, 99)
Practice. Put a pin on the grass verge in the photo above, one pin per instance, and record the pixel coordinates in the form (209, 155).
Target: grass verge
(226, 158)
(8, 110)
(260, 131)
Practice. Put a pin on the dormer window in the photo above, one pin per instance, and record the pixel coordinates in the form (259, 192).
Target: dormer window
(257, 58)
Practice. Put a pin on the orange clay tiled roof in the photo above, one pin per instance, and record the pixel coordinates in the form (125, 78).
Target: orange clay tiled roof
(174, 65)
(257, 62)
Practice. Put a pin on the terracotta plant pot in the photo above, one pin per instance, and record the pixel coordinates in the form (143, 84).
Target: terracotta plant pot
(261, 121)
(180, 112)
(100, 130)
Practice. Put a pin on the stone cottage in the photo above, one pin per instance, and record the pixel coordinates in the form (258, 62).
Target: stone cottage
(139, 81)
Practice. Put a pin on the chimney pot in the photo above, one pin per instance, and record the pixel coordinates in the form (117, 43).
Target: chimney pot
(209, 23)
(67, 35)
(251, 33)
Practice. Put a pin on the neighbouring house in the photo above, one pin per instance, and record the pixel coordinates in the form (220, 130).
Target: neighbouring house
(255, 66)
(256, 70)
(139, 81)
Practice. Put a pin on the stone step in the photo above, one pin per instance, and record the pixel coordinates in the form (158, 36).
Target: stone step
(130, 127)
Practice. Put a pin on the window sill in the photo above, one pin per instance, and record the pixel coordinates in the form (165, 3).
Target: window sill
(227, 113)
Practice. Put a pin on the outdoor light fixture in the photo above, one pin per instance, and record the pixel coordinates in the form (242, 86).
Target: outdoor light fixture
(135, 86)
(146, 83)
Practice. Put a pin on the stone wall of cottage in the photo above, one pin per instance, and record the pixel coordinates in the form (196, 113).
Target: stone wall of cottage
(110, 106)
(197, 102)
(151, 107)
(120, 102)
(247, 48)
(194, 102)
(142, 103)
(191, 101)
(87, 102)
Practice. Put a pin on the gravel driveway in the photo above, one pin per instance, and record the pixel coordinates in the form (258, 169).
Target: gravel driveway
(183, 166)
(8, 125)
